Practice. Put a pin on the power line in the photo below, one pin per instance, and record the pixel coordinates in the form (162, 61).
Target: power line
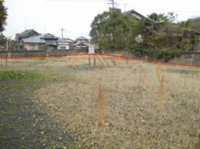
(72, 34)
(81, 1)
(175, 10)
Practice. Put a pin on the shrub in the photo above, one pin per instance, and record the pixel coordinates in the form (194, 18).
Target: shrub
(164, 54)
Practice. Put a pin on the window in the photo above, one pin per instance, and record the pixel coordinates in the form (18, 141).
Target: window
(32, 47)
(62, 47)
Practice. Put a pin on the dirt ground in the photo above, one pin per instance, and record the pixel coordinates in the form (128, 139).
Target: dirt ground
(146, 105)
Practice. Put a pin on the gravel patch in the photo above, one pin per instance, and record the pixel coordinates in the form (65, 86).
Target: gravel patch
(24, 124)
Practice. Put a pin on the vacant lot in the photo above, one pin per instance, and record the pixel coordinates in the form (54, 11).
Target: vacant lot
(144, 105)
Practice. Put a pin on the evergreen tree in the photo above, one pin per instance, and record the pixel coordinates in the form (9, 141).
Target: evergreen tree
(113, 30)
(3, 15)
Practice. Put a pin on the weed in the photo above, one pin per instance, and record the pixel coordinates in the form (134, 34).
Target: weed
(183, 103)
(17, 75)
(173, 95)
(151, 124)
(42, 58)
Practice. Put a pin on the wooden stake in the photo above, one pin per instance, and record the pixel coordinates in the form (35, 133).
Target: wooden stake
(158, 69)
(144, 81)
(161, 95)
(6, 52)
(100, 107)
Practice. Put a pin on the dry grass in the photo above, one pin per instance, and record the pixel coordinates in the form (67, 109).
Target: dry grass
(131, 90)
(144, 82)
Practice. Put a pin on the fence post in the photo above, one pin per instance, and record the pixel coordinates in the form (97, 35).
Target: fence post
(89, 60)
(9, 54)
(6, 52)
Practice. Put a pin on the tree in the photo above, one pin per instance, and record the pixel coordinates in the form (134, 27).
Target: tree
(113, 30)
(3, 15)
(185, 43)
(160, 35)
(2, 42)
(195, 24)
(160, 31)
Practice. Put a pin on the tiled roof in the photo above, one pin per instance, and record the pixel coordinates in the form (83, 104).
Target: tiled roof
(35, 39)
(61, 40)
(48, 36)
(80, 38)
(135, 13)
(26, 32)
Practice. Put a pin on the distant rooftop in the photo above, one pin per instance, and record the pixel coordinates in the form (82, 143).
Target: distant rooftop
(62, 40)
(81, 38)
(25, 34)
(135, 13)
(48, 36)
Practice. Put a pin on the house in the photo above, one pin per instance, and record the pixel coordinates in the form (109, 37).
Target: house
(41, 42)
(26, 34)
(50, 40)
(135, 13)
(64, 44)
(81, 43)
(33, 43)
(82, 39)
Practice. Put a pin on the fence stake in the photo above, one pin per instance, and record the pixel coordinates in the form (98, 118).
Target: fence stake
(6, 52)
(161, 95)
(100, 107)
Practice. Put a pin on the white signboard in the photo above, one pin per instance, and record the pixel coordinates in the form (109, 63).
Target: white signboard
(91, 49)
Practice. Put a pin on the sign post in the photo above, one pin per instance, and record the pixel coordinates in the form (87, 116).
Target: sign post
(91, 51)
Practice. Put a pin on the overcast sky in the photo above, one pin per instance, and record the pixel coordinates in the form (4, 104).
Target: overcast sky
(75, 16)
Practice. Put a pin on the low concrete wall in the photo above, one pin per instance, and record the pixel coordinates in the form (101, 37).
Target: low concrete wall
(192, 58)
(64, 52)
(21, 53)
(11, 54)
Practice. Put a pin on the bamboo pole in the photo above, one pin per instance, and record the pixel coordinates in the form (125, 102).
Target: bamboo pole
(100, 107)
(161, 95)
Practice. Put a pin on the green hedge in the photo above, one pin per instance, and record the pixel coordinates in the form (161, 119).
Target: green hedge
(162, 54)
(158, 54)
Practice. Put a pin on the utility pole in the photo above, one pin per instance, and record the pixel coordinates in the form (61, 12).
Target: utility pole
(113, 3)
(125, 6)
(62, 30)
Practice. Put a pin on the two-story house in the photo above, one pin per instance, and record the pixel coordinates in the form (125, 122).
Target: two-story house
(64, 44)
(26, 34)
(81, 43)
(43, 41)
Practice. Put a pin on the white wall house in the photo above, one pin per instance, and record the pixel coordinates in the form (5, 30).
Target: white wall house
(64, 44)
